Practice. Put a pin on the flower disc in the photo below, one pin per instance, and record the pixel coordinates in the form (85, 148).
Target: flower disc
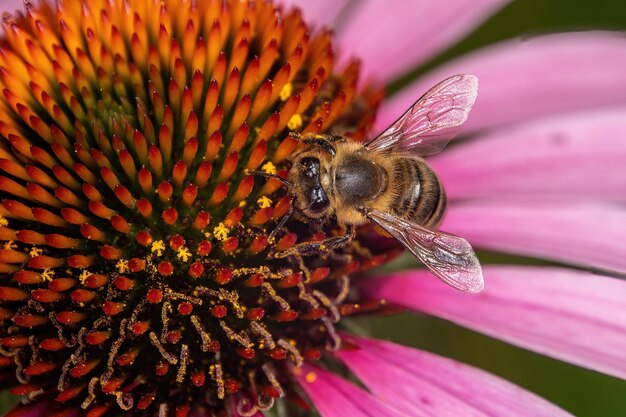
(138, 270)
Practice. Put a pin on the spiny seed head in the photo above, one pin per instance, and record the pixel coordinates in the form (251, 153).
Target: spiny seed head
(137, 270)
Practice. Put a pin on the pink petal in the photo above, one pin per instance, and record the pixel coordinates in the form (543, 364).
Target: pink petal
(559, 157)
(391, 38)
(570, 315)
(522, 80)
(424, 385)
(579, 233)
(318, 12)
(11, 5)
(336, 397)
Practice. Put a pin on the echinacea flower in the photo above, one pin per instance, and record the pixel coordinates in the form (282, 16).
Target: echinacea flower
(138, 273)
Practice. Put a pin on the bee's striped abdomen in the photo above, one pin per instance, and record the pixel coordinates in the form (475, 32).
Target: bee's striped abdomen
(420, 195)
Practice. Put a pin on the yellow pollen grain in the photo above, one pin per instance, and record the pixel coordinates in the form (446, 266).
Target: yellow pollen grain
(83, 276)
(269, 168)
(264, 202)
(221, 232)
(295, 122)
(10, 245)
(286, 92)
(122, 266)
(35, 251)
(242, 203)
(311, 377)
(158, 247)
(47, 274)
(183, 254)
(3, 221)
(207, 234)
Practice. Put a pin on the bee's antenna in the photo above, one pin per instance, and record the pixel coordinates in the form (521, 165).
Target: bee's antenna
(322, 141)
(268, 175)
(282, 222)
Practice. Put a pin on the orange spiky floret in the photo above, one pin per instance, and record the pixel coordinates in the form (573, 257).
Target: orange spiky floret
(135, 252)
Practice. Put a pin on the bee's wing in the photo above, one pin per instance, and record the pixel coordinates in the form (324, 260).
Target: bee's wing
(449, 257)
(435, 118)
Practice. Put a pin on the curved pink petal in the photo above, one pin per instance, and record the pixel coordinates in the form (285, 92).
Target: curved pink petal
(577, 156)
(574, 232)
(336, 397)
(423, 384)
(393, 37)
(526, 79)
(318, 12)
(11, 5)
(571, 315)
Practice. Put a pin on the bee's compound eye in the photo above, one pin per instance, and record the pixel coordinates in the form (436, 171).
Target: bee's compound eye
(319, 200)
(310, 167)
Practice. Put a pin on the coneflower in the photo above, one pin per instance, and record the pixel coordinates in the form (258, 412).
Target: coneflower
(143, 269)
(138, 268)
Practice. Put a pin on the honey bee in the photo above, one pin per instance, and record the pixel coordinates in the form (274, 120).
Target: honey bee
(387, 181)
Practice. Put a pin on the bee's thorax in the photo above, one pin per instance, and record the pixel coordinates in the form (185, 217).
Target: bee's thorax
(359, 180)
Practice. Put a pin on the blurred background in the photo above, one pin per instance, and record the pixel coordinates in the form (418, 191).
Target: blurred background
(583, 393)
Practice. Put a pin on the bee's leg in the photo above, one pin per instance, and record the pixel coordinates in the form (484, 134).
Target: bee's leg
(340, 241)
(282, 222)
(326, 245)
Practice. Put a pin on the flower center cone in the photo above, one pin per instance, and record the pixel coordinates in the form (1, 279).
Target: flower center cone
(137, 270)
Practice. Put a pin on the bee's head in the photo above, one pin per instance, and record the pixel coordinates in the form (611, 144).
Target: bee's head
(311, 199)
